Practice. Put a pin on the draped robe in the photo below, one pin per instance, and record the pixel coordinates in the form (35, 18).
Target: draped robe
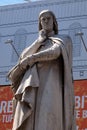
(45, 96)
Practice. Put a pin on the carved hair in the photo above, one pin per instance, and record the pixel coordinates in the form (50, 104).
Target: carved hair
(55, 24)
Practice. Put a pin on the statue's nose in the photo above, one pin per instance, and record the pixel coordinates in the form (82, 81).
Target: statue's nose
(46, 20)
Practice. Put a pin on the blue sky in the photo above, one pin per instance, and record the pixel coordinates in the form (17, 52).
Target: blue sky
(8, 2)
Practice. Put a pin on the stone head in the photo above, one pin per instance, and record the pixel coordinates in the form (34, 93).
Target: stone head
(47, 21)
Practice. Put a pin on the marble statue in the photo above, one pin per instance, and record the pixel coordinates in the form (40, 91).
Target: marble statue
(44, 97)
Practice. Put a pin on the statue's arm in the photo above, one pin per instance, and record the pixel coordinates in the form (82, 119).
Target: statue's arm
(48, 54)
(30, 50)
(34, 46)
(45, 55)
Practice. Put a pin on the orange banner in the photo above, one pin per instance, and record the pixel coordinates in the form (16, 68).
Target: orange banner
(81, 104)
(6, 110)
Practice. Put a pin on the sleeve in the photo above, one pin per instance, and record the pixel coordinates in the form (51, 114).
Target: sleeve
(30, 50)
(48, 54)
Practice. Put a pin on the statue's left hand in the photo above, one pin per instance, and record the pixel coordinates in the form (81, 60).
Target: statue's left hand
(27, 61)
(23, 63)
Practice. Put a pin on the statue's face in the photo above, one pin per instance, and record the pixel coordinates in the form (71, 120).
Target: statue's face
(47, 22)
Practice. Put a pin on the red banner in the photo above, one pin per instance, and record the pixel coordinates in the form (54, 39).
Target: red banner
(81, 104)
(6, 110)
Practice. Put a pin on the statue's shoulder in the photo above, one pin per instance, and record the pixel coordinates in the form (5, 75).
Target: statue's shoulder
(66, 39)
(67, 42)
(63, 37)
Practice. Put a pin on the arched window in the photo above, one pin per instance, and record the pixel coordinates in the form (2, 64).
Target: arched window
(73, 30)
(19, 43)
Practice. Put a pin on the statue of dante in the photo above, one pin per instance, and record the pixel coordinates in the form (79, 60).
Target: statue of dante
(42, 81)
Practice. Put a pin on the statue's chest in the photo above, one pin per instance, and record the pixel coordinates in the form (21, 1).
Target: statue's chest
(45, 45)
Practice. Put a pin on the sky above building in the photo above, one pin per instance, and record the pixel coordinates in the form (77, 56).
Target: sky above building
(9, 2)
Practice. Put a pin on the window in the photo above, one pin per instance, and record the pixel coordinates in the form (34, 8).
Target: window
(76, 40)
(19, 43)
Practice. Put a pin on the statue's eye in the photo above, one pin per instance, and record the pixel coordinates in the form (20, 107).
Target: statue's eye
(43, 19)
(48, 18)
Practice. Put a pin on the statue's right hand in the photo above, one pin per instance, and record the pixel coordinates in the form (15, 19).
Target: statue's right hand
(42, 36)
